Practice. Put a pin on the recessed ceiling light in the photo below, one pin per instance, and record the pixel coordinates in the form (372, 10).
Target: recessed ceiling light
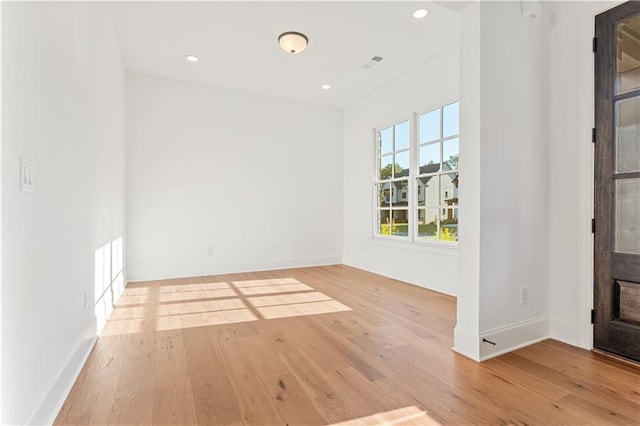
(326, 86)
(420, 13)
(192, 58)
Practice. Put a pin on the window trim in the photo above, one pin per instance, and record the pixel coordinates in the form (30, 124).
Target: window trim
(412, 207)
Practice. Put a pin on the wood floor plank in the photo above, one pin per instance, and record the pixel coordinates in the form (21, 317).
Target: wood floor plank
(328, 340)
(173, 403)
(272, 347)
(291, 401)
(256, 405)
(515, 370)
(606, 386)
(133, 400)
(590, 390)
(90, 401)
(211, 388)
(598, 413)
(354, 386)
(263, 357)
(442, 404)
(316, 384)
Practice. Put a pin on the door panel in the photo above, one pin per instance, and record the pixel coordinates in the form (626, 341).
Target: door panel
(617, 181)
(628, 135)
(627, 216)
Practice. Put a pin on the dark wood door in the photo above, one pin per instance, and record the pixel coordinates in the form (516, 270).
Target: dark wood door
(617, 181)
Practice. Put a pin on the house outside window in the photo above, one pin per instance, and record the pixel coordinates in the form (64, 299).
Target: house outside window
(424, 164)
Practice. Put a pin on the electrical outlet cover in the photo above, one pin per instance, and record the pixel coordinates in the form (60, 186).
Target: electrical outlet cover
(26, 176)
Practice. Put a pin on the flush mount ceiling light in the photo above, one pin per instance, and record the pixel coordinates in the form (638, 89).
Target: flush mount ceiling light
(326, 86)
(420, 13)
(192, 58)
(293, 42)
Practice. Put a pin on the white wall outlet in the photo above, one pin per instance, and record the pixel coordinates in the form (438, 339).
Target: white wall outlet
(524, 295)
(210, 251)
(26, 175)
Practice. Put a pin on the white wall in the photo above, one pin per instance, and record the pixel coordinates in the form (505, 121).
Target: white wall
(63, 109)
(430, 85)
(1, 169)
(256, 178)
(512, 179)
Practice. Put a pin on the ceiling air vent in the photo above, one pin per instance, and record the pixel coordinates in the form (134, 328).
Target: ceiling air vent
(371, 62)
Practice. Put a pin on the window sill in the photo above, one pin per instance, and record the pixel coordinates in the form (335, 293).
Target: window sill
(436, 247)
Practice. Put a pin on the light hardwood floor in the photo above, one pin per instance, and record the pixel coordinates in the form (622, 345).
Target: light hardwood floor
(326, 345)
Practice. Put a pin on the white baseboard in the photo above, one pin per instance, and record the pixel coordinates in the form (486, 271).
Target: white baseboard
(58, 390)
(229, 268)
(406, 276)
(466, 343)
(512, 337)
(563, 330)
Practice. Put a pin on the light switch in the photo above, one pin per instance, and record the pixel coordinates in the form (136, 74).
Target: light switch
(26, 175)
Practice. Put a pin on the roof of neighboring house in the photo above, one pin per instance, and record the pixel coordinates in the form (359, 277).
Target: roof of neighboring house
(426, 169)
(434, 168)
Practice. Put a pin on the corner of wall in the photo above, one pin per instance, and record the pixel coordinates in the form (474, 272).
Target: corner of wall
(564, 330)
(466, 343)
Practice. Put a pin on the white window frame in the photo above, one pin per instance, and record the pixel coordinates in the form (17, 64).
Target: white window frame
(377, 155)
(412, 197)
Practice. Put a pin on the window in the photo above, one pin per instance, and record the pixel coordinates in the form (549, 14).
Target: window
(424, 163)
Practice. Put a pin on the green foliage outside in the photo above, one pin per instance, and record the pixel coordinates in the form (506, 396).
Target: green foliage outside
(385, 172)
(427, 229)
(453, 161)
(431, 230)
(384, 229)
(447, 235)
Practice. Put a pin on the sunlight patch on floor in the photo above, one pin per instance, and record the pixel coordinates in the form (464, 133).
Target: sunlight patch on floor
(195, 295)
(199, 307)
(276, 288)
(192, 287)
(262, 283)
(402, 416)
(179, 306)
(299, 309)
(115, 327)
(133, 299)
(281, 299)
(204, 319)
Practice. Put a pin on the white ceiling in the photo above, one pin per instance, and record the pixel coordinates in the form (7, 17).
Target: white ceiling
(237, 44)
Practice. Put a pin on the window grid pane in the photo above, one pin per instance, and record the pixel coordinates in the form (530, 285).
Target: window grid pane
(401, 136)
(386, 140)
